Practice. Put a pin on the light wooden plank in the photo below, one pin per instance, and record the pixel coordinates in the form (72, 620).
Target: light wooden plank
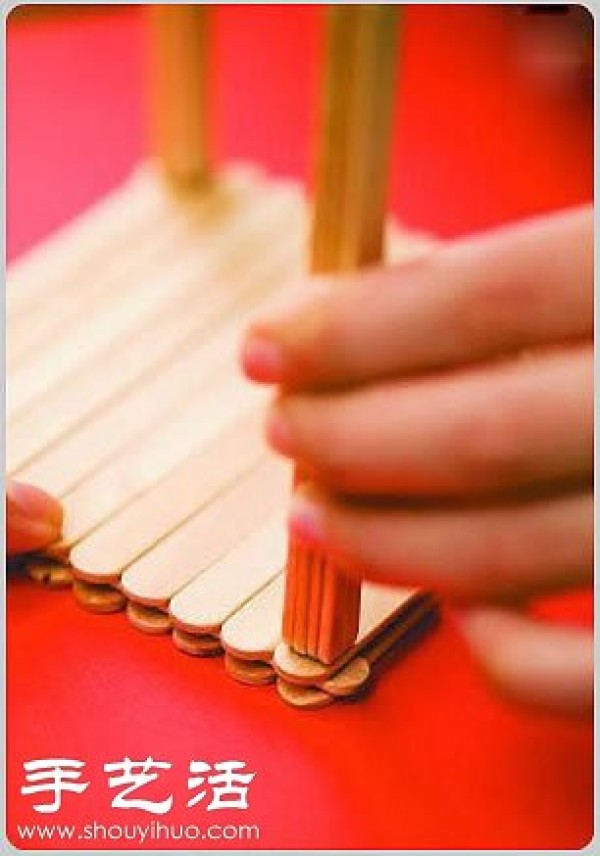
(127, 273)
(228, 451)
(207, 602)
(211, 534)
(97, 383)
(224, 399)
(254, 632)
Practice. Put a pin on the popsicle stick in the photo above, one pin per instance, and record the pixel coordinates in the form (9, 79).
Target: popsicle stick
(232, 446)
(57, 336)
(254, 631)
(322, 610)
(148, 619)
(136, 470)
(380, 607)
(179, 74)
(99, 599)
(163, 288)
(86, 238)
(204, 539)
(253, 673)
(52, 415)
(303, 698)
(80, 453)
(196, 645)
(354, 678)
(205, 604)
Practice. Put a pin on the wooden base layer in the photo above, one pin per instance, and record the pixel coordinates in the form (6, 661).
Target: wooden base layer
(196, 645)
(98, 598)
(126, 402)
(304, 698)
(49, 573)
(254, 673)
(148, 619)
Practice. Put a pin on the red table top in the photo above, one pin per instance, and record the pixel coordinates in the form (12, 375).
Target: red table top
(431, 758)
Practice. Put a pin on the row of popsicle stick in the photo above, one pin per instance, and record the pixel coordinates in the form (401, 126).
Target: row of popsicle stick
(142, 424)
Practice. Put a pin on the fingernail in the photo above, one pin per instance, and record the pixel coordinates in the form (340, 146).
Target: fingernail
(35, 505)
(278, 431)
(262, 359)
(306, 521)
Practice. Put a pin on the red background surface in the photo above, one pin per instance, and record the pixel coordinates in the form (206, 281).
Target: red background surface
(432, 758)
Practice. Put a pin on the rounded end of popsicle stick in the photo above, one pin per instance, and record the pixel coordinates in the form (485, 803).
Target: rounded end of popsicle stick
(49, 574)
(197, 645)
(296, 668)
(148, 619)
(98, 598)
(305, 698)
(350, 680)
(254, 673)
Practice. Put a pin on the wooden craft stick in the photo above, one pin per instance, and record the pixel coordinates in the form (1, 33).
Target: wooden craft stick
(96, 442)
(380, 607)
(207, 602)
(136, 470)
(224, 453)
(253, 673)
(200, 542)
(322, 608)
(88, 236)
(162, 283)
(303, 698)
(254, 631)
(64, 407)
(196, 645)
(81, 452)
(175, 232)
(148, 620)
(354, 678)
(99, 599)
(179, 91)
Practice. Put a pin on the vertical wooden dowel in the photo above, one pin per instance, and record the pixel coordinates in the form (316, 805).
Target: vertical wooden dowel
(322, 605)
(179, 91)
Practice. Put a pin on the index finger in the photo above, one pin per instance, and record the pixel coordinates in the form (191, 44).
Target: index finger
(464, 301)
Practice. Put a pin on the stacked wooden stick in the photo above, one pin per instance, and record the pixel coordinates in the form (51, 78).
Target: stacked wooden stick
(131, 408)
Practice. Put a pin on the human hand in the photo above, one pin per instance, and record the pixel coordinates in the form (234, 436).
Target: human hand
(445, 412)
(33, 519)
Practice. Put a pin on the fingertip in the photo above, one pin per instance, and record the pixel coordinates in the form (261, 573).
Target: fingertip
(34, 503)
(262, 359)
(532, 663)
(34, 518)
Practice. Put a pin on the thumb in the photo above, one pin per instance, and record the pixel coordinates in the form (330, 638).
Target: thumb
(33, 518)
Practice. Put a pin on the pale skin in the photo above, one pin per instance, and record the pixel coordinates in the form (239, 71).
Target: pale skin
(444, 409)
(33, 519)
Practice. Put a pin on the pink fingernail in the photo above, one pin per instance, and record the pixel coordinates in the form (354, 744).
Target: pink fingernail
(306, 521)
(262, 359)
(278, 432)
